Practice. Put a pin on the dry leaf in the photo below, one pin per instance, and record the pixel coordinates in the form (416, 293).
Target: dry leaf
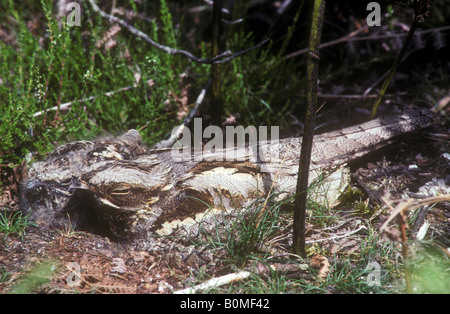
(109, 39)
(231, 120)
(321, 262)
(393, 234)
(443, 102)
(119, 266)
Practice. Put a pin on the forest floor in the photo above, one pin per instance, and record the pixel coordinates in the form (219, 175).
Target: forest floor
(43, 260)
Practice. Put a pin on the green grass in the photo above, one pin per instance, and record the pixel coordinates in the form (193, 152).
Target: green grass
(47, 63)
(14, 223)
(430, 267)
(253, 237)
(4, 274)
(248, 233)
(376, 267)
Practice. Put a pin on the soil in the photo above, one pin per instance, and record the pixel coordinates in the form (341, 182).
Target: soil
(105, 266)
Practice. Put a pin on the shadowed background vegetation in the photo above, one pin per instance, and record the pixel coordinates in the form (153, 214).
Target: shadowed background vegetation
(47, 64)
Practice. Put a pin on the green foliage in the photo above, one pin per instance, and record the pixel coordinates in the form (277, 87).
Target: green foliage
(245, 236)
(4, 275)
(252, 231)
(167, 27)
(112, 89)
(251, 89)
(36, 276)
(430, 267)
(46, 63)
(14, 223)
(57, 64)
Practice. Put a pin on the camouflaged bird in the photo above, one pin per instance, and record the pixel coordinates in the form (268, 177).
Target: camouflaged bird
(116, 187)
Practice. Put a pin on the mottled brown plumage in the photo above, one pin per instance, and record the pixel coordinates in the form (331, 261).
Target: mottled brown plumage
(118, 188)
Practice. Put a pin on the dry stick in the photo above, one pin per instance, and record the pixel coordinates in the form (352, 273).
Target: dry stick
(355, 96)
(48, 70)
(66, 105)
(215, 282)
(399, 212)
(179, 129)
(400, 215)
(347, 38)
(259, 269)
(410, 205)
(350, 38)
(374, 84)
(198, 102)
(401, 219)
(422, 10)
(220, 58)
(337, 236)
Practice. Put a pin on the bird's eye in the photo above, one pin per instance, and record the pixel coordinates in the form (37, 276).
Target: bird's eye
(121, 191)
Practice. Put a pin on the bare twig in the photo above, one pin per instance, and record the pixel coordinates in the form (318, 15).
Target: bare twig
(220, 58)
(225, 21)
(67, 105)
(374, 84)
(411, 204)
(350, 38)
(421, 11)
(60, 87)
(346, 235)
(393, 68)
(179, 129)
(355, 96)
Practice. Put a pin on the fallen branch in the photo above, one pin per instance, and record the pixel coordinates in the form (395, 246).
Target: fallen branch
(259, 269)
(337, 236)
(215, 282)
(220, 58)
(177, 131)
